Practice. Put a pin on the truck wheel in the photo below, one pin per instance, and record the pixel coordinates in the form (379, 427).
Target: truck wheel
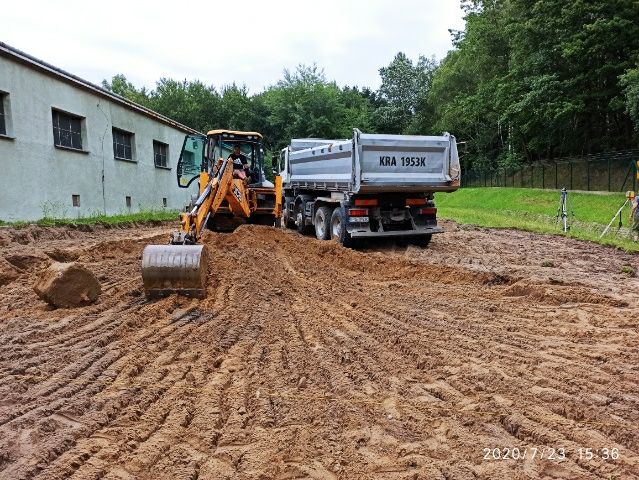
(421, 241)
(338, 228)
(323, 223)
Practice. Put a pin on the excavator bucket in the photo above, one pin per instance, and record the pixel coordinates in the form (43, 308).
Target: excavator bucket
(168, 269)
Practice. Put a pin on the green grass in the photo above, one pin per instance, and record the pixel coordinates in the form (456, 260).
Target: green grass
(535, 210)
(141, 217)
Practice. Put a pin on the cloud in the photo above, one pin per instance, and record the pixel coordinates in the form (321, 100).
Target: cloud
(246, 41)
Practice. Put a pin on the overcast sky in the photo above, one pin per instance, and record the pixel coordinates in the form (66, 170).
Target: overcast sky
(246, 41)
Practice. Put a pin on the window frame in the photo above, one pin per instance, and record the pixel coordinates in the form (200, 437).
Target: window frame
(3, 116)
(131, 146)
(80, 133)
(5, 103)
(166, 155)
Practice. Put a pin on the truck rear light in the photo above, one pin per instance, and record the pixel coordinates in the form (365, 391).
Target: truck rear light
(366, 202)
(428, 211)
(415, 201)
(358, 212)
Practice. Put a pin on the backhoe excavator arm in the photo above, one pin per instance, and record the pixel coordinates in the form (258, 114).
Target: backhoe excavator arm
(182, 266)
(222, 187)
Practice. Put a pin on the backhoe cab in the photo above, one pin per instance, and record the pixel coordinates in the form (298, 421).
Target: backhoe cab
(224, 202)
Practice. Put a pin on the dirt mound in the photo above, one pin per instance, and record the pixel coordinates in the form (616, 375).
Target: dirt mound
(559, 294)
(30, 234)
(28, 262)
(309, 360)
(68, 285)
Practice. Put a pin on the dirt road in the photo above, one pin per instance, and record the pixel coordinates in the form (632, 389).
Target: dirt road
(308, 360)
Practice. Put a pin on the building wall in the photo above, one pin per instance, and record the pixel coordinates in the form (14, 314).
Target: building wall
(38, 179)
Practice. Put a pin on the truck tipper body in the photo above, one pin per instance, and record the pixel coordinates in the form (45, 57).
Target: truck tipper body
(373, 185)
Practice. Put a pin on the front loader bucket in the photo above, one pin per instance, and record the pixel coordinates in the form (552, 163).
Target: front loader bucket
(168, 269)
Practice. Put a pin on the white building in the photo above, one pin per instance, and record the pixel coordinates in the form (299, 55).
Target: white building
(69, 148)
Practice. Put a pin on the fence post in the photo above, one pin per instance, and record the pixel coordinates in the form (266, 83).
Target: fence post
(588, 175)
(556, 177)
(570, 163)
(543, 178)
(608, 173)
(532, 176)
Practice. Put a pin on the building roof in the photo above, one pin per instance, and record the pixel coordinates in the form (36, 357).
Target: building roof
(234, 132)
(59, 74)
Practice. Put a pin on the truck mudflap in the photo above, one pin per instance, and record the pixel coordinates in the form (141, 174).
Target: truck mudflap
(420, 232)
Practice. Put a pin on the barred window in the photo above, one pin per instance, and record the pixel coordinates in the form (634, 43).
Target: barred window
(122, 144)
(3, 123)
(160, 154)
(67, 130)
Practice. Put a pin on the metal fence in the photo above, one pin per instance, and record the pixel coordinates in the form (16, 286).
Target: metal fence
(611, 171)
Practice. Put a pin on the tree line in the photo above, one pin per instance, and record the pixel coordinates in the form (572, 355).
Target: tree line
(526, 80)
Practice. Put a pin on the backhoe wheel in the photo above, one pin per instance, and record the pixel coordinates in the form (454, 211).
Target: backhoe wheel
(323, 223)
(224, 223)
(262, 219)
(421, 241)
(338, 228)
(287, 221)
(300, 223)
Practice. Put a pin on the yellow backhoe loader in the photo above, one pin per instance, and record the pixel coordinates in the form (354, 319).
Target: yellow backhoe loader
(229, 195)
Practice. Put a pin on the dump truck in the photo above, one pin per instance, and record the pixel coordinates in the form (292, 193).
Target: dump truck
(370, 186)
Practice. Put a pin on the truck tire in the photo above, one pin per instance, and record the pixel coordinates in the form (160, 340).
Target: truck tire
(338, 228)
(323, 223)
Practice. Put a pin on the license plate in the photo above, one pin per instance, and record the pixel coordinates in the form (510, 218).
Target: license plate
(358, 219)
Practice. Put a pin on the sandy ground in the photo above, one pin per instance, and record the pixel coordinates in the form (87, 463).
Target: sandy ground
(308, 360)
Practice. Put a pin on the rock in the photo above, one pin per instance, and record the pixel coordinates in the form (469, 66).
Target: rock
(7, 273)
(68, 285)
